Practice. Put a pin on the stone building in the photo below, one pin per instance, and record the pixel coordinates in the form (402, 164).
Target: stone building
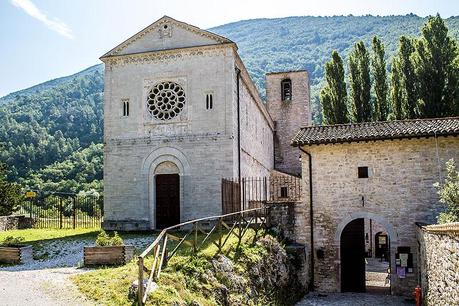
(380, 171)
(180, 114)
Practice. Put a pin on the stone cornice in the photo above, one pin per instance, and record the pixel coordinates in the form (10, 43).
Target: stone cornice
(148, 140)
(164, 55)
(157, 25)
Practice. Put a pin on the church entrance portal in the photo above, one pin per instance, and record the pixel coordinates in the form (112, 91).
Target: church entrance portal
(167, 200)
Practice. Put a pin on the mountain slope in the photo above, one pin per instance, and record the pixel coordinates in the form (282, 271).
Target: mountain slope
(41, 127)
(36, 89)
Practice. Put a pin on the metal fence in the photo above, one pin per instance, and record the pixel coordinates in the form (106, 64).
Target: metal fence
(63, 210)
(251, 192)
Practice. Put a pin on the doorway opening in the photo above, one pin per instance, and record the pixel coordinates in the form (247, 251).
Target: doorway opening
(167, 200)
(365, 257)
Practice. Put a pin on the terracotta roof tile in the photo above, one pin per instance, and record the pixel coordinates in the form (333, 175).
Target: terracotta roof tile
(353, 132)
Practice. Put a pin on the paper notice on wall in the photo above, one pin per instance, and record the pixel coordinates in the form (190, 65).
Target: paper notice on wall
(403, 259)
(401, 272)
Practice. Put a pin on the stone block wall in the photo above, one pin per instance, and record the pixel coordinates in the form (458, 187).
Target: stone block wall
(15, 222)
(439, 263)
(398, 193)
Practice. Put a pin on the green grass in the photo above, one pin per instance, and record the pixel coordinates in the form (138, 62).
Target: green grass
(35, 235)
(183, 280)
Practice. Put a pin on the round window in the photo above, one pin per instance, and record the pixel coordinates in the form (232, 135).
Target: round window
(166, 100)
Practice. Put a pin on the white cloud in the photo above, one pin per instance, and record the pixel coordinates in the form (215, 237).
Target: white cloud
(53, 24)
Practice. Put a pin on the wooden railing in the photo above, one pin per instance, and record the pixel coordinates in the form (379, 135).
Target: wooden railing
(225, 225)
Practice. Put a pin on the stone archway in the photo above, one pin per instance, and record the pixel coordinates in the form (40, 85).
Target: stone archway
(393, 237)
(163, 161)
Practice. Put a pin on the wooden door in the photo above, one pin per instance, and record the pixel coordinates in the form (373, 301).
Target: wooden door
(167, 200)
(353, 257)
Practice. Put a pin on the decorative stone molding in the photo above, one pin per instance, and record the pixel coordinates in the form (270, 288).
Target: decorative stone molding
(149, 140)
(157, 26)
(165, 55)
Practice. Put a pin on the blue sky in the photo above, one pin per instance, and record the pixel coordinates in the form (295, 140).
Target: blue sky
(45, 39)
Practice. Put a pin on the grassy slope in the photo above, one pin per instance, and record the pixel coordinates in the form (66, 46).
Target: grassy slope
(182, 281)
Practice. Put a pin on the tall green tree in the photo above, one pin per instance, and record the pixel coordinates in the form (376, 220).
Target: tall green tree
(396, 91)
(10, 193)
(408, 77)
(437, 67)
(378, 65)
(333, 95)
(359, 83)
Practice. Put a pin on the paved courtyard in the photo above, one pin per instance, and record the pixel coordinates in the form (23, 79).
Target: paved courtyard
(352, 299)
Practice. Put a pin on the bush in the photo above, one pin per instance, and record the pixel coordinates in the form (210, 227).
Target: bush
(103, 239)
(449, 194)
(12, 241)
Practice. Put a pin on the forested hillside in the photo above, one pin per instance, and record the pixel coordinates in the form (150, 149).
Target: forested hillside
(50, 130)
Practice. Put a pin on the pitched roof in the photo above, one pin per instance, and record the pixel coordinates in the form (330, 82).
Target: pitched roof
(217, 38)
(354, 132)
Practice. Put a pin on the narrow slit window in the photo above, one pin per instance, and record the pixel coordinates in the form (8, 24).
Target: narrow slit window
(286, 88)
(363, 172)
(209, 101)
(125, 108)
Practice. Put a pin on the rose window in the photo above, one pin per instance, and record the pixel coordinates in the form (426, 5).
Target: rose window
(166, 100)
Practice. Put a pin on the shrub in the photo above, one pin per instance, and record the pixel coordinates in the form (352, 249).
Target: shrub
(103, 239)
(12, 241)
(449, 194)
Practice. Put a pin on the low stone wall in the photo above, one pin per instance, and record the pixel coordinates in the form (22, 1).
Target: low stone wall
(439, 263)
(281, 219)
(15, 222)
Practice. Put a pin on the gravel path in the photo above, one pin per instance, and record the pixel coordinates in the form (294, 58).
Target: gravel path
(47, 282)
(352, 299)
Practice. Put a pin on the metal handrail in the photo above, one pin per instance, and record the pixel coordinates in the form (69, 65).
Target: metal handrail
(161, 254)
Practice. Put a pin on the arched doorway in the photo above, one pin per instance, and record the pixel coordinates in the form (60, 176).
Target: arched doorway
(360, 271)
(167, 187)
(352, 246)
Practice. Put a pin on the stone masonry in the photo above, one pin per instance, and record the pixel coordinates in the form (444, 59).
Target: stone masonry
(398, 193)
(439, 263)
(200, 143)
(288, 116)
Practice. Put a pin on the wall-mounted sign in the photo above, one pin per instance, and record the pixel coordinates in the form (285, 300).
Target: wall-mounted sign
(30, 194)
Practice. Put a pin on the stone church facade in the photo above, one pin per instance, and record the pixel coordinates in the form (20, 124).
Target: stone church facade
(180, 113)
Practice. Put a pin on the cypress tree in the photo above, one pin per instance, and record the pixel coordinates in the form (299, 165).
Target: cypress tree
(396, 91)
(378, 64)
(360, 85)
(408, 77)
(333, 95)
(436, 58)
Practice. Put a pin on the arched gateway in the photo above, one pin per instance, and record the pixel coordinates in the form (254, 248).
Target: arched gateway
(350, 237)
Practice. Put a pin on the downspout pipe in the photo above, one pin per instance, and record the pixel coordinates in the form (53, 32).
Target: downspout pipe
(238, 74)
(311, 216)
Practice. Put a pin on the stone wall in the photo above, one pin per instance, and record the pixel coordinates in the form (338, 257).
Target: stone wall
(288, 116)
(398, 193)
(15, 222)
(439, 263)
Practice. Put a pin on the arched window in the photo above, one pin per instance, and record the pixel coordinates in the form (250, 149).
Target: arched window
(286, 90)
(125, 103)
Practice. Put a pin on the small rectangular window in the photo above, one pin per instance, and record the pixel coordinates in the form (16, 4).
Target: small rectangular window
(363, 172)
(284, 192)
(209, 101)
(125, 104)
